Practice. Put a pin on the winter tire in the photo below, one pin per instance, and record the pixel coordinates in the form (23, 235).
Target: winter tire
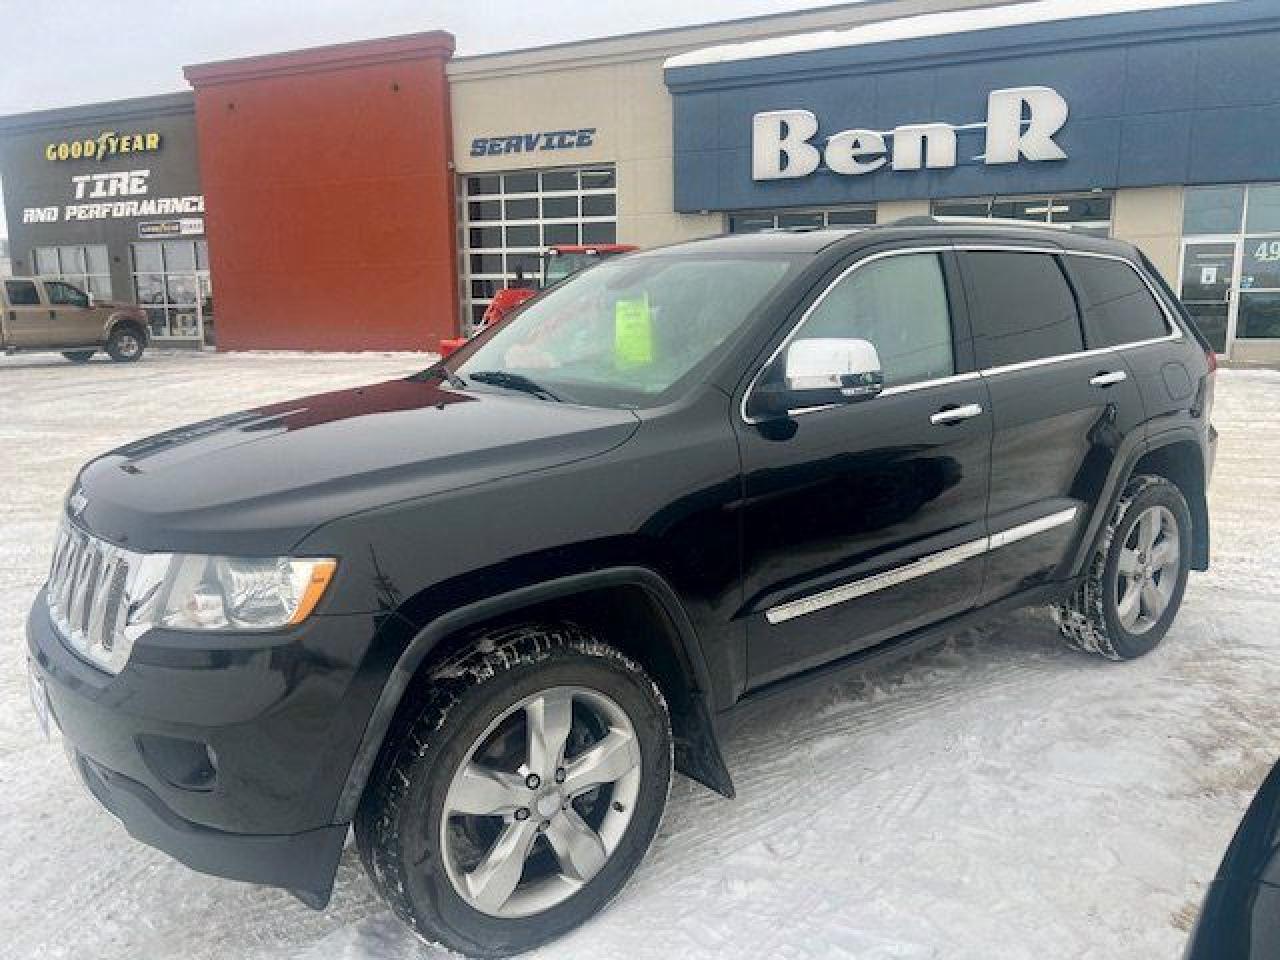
(1135, 581)
(126, 343)
(79, 356)
(517, 791)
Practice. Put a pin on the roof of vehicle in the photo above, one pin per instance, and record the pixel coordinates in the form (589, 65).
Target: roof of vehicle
(813, 241)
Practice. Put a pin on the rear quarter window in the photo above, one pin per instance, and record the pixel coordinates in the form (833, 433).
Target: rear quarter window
(1116, 304)
(1022, 307)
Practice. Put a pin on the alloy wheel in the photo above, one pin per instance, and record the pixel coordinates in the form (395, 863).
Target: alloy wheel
(1147, 572)
(540, 802)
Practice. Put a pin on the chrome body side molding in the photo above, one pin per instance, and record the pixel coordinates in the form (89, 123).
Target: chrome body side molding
(917, 568)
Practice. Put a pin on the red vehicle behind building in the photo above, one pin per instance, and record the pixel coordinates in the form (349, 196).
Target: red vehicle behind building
(558, 262)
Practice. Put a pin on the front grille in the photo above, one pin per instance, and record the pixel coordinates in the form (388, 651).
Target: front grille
(86, 591)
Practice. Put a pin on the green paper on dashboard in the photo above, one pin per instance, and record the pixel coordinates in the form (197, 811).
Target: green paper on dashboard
(632, 333)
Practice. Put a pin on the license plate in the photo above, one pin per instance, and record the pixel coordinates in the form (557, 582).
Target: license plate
(39, 702)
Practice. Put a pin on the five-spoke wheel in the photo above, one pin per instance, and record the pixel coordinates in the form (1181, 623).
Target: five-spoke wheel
(521, 791)
(568, 788)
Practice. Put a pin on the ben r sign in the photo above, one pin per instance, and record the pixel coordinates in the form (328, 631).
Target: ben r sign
(1020, 125)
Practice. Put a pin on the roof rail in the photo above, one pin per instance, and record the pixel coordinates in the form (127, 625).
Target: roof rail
(979, 222)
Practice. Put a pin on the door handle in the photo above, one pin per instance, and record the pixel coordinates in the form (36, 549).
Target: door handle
(956, 414)
(1108, 377)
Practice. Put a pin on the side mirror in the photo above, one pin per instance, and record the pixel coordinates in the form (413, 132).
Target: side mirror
(821, 372)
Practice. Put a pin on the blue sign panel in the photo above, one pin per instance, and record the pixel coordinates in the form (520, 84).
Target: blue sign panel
(1172, 96)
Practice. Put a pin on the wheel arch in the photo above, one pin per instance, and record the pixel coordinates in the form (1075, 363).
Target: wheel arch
(655, 631)
(118, 320)
(1175, 455)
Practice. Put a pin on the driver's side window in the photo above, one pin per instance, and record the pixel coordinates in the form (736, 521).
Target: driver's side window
(899, 304)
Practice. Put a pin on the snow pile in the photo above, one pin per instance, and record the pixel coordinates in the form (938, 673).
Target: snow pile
(924, 25)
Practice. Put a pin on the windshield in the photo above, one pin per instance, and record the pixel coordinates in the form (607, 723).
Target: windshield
(626, 332)
(562, 265)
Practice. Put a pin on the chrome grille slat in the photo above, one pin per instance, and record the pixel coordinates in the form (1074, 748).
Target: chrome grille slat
(86, 592)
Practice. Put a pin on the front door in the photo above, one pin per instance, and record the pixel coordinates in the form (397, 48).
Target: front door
(74, 322)
(1208, 287)
(865, 521)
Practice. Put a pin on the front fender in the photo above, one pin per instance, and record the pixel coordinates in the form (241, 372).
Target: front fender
(705, 759)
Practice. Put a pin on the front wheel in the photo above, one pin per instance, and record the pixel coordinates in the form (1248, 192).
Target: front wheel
(1135, 581)
(125, 344)
(522, 789)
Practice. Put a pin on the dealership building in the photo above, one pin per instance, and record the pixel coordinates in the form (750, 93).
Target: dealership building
(376, 195)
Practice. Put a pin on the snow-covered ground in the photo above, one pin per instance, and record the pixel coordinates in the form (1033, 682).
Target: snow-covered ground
(999, 797)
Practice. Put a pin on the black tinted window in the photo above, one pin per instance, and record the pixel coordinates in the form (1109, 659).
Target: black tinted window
(22, 293)
(1117, 305)
(1022, 308)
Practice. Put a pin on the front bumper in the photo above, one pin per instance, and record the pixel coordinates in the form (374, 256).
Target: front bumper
(230, 759)
(302, 862)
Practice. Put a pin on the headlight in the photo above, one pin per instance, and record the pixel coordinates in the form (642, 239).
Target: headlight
(193, 592)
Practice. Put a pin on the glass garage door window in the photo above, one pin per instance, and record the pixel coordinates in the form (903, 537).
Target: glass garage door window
(83, 266)
(508, 219)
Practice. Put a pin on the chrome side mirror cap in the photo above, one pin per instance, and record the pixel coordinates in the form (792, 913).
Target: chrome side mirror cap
(821, 372)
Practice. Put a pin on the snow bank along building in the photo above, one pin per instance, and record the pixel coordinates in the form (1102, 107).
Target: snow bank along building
(375, 195)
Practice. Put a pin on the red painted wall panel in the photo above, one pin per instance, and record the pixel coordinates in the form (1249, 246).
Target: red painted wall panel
(330, 209)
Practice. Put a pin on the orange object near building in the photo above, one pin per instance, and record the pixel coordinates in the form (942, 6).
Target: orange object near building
(329, 195)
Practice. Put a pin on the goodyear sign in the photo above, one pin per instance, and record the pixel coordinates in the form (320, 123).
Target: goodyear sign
(109, 143)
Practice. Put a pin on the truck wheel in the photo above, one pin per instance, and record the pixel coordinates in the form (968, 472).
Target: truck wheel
(79, 356)
(518, 791)
(1135, 581)
(125, 344)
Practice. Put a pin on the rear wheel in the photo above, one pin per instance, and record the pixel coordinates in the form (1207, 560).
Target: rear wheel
(521, 790)
(79, 356)
(125, 344)
(1136, 580)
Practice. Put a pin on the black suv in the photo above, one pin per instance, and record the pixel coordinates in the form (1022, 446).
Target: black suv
(480, 613)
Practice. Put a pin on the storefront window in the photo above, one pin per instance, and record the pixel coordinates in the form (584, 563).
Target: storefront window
(753, 221)
(1212, 210)
(1264, 209)
(1088, 213)
(510, 218)
(1230, 282)
(83, 266)
(171, 281)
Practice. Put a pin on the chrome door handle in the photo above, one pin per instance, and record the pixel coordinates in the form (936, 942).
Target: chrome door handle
(1108, 378)
(956, 414)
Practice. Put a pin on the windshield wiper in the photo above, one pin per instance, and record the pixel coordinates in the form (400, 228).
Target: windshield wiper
(441, 371)
(513, 381)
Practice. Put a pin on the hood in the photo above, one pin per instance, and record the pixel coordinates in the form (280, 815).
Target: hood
(256, 482)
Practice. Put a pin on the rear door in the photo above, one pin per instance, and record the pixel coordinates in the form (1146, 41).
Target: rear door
(28, 319)
(1061, 412)
(865, 521)
(74, 322)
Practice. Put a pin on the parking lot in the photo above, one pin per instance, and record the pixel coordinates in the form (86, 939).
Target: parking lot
(998, 796)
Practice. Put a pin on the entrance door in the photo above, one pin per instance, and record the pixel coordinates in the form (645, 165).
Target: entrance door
(1208, 287)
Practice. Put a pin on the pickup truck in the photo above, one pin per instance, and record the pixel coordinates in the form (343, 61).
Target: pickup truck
(37, 314)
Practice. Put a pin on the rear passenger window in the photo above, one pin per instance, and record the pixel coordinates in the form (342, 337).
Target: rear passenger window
(899, 304)
(21, 293)
(1117, 304)
(1022, 308)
